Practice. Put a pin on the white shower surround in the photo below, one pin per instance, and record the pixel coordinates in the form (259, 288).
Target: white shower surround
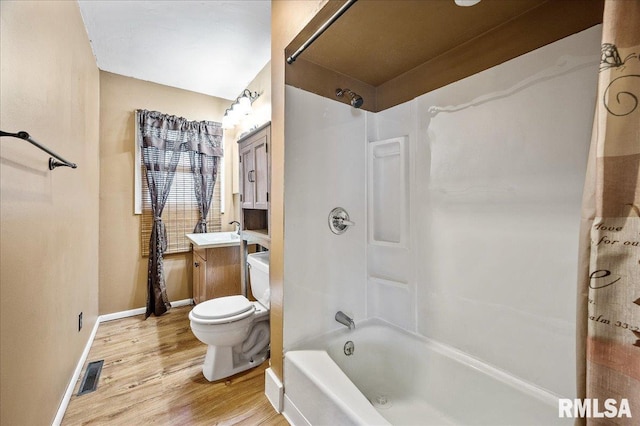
(324, 168)
(496, 169)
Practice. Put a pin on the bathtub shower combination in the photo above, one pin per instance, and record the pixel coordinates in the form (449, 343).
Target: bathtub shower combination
(379, 374)
(460, 268)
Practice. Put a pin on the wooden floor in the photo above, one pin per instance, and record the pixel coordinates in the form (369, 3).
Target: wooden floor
(152, 374)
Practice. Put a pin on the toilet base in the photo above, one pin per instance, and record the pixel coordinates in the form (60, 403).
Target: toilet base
(221, 362)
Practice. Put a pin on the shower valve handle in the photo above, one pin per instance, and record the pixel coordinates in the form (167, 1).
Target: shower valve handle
(341, 221)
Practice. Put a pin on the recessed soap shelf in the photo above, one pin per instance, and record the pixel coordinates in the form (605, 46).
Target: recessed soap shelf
(388, 196)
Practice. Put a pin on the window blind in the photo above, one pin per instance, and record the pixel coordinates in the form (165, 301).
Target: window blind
(180, 213)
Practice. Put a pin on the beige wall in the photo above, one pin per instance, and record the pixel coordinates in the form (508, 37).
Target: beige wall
(123, 271)
(54, 223)
(262, 84)
(49, 86)
(288, 17)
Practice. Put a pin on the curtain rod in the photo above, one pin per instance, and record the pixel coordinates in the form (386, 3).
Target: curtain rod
(52, 163)
(320, 30)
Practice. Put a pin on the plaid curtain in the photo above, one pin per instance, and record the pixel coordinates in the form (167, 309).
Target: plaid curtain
(163, 138)
(204, 151)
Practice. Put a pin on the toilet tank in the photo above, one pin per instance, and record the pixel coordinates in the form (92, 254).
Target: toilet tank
(259, 277)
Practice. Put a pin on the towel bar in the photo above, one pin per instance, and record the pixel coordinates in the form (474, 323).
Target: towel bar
(52, 162)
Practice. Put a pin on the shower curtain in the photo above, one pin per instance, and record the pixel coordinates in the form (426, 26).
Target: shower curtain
(163, 139)
(609, 283)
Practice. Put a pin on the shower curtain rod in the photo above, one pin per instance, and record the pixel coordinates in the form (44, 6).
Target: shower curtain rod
(320, 30)
(52, 163)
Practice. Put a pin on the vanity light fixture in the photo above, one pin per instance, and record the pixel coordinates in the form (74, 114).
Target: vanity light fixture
(240, 108)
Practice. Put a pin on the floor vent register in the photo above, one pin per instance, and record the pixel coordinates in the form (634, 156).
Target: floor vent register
(91, 377)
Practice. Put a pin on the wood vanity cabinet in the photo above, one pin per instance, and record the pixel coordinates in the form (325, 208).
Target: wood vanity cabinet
(216, 272)
(254, 169)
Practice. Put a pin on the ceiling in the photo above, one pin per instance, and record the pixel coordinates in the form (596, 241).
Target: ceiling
(211, 47)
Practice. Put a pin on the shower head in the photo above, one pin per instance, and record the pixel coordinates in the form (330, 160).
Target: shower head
(356, 100)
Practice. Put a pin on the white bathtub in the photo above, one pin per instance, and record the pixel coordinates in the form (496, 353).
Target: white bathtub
(395, 377)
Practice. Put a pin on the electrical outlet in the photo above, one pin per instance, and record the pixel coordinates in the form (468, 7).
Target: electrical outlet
(80, 321)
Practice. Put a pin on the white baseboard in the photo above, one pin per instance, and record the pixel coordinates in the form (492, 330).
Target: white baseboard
(83, 358)
(140, 311)
(273, 389)
(76, 374)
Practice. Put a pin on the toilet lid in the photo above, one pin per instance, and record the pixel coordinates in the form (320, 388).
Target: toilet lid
(222, 307)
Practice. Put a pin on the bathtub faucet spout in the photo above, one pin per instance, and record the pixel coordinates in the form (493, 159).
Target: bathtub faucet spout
(343, 319)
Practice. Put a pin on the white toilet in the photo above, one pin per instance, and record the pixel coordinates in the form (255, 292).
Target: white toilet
(235, 329)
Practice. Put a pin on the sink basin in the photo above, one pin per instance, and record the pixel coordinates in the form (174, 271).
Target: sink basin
(214, 239)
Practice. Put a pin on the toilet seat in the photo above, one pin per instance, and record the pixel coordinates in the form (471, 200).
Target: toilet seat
(222, 310)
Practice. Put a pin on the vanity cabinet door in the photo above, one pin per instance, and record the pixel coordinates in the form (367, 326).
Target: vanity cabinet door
(254, 170)
(261, 184)
(199, 276)
(247, 174)
(223, 274)
(216, 273)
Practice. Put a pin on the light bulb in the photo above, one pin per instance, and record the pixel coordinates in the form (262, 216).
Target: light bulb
(465, 3)
(244, 105)
(227, 123)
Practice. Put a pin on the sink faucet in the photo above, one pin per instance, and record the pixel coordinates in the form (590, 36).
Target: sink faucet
(237, 226)
(343, 319)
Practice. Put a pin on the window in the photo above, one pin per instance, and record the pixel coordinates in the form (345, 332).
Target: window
(180, 214)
